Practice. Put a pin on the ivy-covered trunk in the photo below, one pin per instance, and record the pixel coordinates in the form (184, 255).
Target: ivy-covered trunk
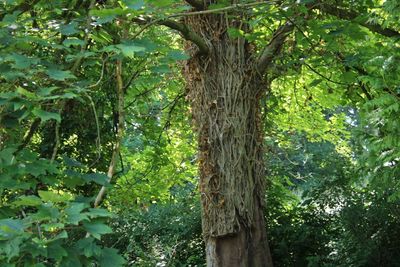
(225, 91)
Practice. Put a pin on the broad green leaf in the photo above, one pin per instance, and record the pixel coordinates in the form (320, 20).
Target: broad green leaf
(235, 33)
(46, 91)
(99, 178)
(98, 212)
(74, 213)
(178, 55)
(7, 156)
(89, 247)
(10, 227)
(56, 251)
(27, 201)
(161, 69)
(60, 75)
(72, 162)
(69, 29)
(73, 42)
(47, 211)
(108, 12)
(129, 48)
(62, 235)
(110, 258)
(96, 229)
(72, 259)
(315, 82)
(25, 93)
(11, 247)
(134, 4)
(21, 62)
(50, 196)
(45, 115)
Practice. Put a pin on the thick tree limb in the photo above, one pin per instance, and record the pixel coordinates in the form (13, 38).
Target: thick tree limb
(188, 34)
(274, 47)
(352, 15)
(183, 29)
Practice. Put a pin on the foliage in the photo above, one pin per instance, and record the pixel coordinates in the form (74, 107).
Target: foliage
(331, 122)
(162, 234)
(42, 222)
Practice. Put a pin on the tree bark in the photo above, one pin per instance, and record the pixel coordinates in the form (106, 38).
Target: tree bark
(225, 88)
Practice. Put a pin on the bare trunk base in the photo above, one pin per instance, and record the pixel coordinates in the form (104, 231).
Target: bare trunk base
(247, 248)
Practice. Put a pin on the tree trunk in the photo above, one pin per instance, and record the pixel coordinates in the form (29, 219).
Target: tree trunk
(225, 91)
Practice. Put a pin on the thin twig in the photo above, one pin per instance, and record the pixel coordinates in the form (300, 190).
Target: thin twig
(103, 65)
(98, 139)
(120, 133)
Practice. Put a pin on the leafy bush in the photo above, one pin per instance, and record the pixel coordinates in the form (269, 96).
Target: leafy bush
(42, 222)
(163, 234)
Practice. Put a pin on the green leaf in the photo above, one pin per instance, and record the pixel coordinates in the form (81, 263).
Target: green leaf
(27, 201)
(73, 42)
(60, 75)
(72, 259)
(56, 251)
(129, 48)
(108, 12)
(96, 229)
(97, 212)
(21, 62)
(74, 213)
(235, 33)
(217, 6)
(134, 4)
(99, 178)
(110, 258)
(315, 82)
(69, 29)
(161, 69)
(89, 247)
(7, 155)
(45, 115)
(178, 55)
(11, 248)
(46, 91)
(47, 211)
(25, 93)
(10, 228)
(62, 235)
(349, 77)
(72, 162)
(50, 196)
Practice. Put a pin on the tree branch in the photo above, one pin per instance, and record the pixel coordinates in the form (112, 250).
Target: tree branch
(188, 34)
(183, 29)
(28, 136)
(120, 133)
(352, 15)
(274, 47)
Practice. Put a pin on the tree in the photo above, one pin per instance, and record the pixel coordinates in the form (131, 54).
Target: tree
(226, 78)
(225, 83)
